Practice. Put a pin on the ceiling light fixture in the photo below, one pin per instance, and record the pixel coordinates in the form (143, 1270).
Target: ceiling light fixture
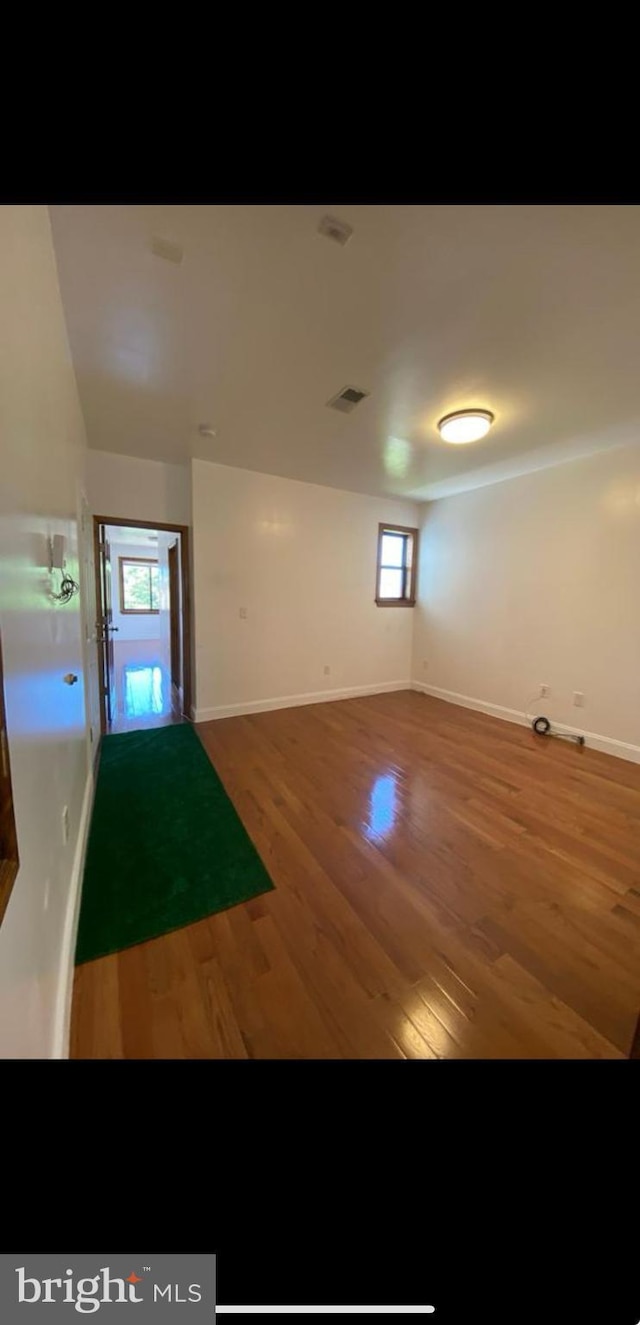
(466, 425)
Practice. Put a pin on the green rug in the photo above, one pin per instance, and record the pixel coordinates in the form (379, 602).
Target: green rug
(166, 846)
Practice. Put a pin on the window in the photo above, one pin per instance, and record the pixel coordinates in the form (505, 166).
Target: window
(397, 564)
(138, 584)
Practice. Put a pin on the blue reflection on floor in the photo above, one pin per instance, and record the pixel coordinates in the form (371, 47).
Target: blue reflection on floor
(142, 691)
(382, 806)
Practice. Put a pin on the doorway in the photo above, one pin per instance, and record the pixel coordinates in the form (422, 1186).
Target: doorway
(143, 629)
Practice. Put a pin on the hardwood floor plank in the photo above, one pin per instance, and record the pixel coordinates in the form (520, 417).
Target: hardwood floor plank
(135, 1001)
(404, 1033)
(96, 1003)
(447, 885)
(344, 1003)
(221, 1016)
(570, 973)
(300, 1029)
(243, 988)
(567, 1034)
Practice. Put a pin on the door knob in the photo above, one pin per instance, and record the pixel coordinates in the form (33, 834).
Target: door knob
(70, 679)
(113, 627)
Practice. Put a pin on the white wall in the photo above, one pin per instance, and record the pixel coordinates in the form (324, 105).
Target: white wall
(119, 485)
(41, 460)
(302, 560)
(536, 580)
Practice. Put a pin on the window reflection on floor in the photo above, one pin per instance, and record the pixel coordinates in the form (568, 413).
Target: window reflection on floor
(143, 691)
(382, 806)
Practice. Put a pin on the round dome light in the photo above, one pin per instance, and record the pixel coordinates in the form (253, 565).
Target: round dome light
(466, 425)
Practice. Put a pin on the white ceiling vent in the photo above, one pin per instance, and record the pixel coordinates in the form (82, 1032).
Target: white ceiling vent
(336, 230)
(167, 249)
(347, 399)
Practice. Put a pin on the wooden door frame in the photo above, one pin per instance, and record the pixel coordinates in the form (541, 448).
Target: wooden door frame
(185, 578)
(174, 614)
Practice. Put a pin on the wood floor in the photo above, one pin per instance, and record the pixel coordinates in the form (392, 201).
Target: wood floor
(447, 885)
(144, 693)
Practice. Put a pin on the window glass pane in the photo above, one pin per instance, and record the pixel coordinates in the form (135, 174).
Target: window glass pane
(391, 583)
(136, 587)
(137, 583)
(155, 591)
(392, 549)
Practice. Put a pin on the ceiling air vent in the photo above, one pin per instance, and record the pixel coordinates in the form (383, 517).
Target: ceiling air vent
(336, 230)
(167, 249)
(347, 399)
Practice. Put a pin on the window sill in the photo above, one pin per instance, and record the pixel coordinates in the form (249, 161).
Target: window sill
(395, 602)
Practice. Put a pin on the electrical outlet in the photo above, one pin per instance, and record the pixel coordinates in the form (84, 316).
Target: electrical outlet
(65, 824)
(544, 691)
(327, 671)
(243, 613)
(578, 699)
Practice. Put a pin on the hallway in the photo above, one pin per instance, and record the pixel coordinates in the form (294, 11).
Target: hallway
(144, 614)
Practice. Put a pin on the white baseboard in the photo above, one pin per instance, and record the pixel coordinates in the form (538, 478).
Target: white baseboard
(466, 702)
(293, 701)
(62, 1016)
(607, 744)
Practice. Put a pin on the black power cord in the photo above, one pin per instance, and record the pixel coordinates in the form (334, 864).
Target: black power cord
(68, 588)
(542, 727)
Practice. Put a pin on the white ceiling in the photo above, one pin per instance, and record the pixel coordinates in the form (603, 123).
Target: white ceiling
(532, 312)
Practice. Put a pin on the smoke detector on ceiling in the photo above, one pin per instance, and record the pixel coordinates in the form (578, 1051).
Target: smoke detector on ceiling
(347, 399)
(332, 228)
(167, 249)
